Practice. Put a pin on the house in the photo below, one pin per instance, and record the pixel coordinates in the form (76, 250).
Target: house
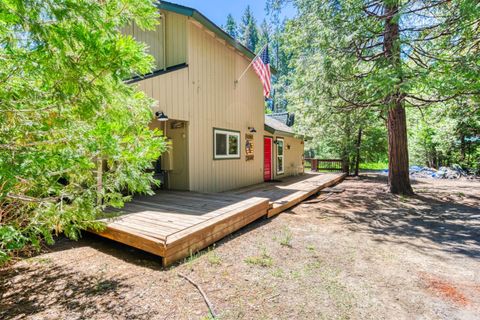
(220, 138)
(288, 147)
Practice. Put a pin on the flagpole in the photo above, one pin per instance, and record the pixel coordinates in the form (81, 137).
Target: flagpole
(241, 76)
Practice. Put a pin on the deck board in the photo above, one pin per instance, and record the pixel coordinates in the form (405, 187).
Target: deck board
(174, 224)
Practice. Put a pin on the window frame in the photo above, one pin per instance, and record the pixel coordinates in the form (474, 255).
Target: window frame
(228, 133)
(277, 155)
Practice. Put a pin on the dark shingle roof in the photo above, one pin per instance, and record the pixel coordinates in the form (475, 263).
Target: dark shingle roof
(272, 125)
(281, 116)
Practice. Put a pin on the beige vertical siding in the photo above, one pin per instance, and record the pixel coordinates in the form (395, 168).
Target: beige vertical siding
(153, 39)
(293, 157)
(216, 102)
(176, 34)
(171, 91)
(205, 95)
(176, 39)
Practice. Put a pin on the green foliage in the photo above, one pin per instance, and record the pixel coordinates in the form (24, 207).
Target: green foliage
(339, 133)
(280, 53)
(445, 135)
(231, 27)
(214, 258)
(270, 31)
(248, 30)
(65, 111)
(263, 259)
(374, 165)
(340, 78)
(285, 237)
(264, 36)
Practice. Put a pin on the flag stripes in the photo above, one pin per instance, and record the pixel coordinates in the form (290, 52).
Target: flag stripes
(261, 65)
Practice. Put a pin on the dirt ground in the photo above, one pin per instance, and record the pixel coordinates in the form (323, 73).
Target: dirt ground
(359, 254)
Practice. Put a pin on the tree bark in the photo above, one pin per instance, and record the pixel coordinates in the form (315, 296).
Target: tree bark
(357, 157)
(398, 174)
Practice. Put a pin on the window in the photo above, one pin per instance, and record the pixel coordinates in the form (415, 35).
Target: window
(280, 162)
(226, 144)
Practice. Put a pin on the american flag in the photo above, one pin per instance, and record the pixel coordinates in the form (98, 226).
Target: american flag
(261, 65)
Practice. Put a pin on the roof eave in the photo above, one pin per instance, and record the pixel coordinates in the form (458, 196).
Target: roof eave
(269, 129)
(283, 133)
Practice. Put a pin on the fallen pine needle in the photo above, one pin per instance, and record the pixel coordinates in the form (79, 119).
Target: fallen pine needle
(207, 301)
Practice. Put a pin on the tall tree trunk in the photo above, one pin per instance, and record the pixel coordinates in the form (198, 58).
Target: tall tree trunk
(398, 174)
(357, 157)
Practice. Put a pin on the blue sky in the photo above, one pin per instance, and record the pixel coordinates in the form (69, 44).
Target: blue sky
(217, 10)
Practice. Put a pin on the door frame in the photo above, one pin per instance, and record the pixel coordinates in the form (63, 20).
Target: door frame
(272, 165)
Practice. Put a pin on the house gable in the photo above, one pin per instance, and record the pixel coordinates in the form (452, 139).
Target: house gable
(197, 87)
(167, 43)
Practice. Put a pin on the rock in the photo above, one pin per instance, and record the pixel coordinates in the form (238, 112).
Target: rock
(453, 172)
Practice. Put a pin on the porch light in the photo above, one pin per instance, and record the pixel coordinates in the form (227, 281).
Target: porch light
(161, 116)
(252, 129)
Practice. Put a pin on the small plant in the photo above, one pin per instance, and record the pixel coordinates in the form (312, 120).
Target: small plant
(311, 247)
(286, 238)
(214, 259)
(278, 273)
(192, 257)
(209, 317)
(296, 274)
(313, 265)
(263, 260)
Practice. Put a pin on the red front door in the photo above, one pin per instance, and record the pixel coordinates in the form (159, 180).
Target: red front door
(267, 158)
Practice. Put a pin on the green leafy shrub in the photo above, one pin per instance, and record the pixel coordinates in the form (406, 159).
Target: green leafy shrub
(65, 111)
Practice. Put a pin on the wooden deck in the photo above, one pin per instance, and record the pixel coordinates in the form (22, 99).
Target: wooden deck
(290, 191)
(174, 224)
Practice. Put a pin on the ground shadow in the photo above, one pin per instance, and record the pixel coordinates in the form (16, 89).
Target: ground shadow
(428, 216)
(28, 290)
(136, 256)
(112, 248)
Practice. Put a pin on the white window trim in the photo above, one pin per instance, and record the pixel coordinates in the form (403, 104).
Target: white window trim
(280, 156)
(228, 134)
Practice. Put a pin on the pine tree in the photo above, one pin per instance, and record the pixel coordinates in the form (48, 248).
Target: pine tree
(264, 34)
(248, 30)
(231, 26)
(384, 56)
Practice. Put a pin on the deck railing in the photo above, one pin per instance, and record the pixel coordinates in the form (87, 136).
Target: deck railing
(326, 164)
